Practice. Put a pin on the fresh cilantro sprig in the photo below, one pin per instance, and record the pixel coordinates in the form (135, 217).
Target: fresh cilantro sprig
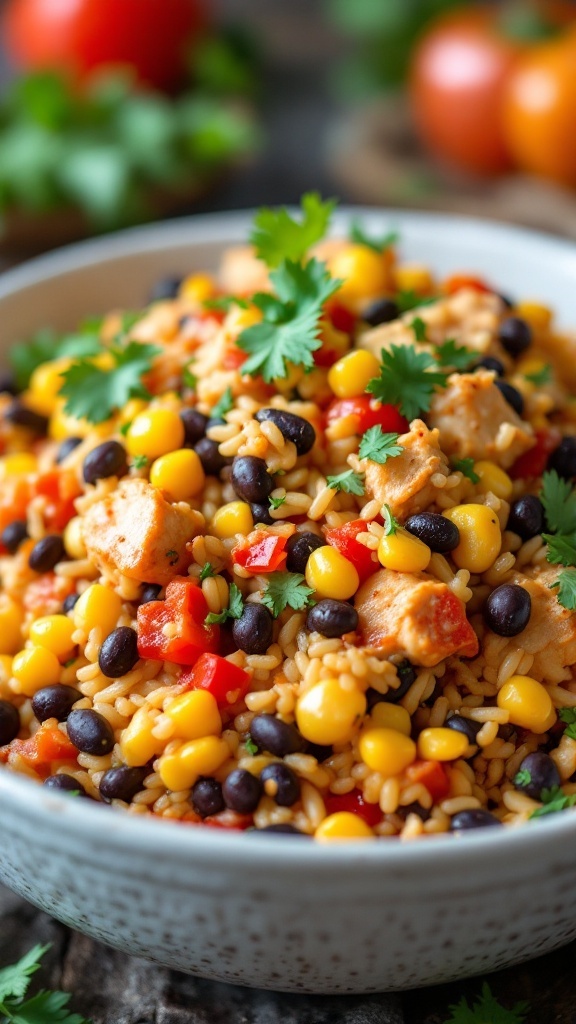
(391, 524)
(540, 377)
(466, 467)
(349, 482)
(408, 379)
(276, 503)
(523, 777)
(286, 590)
(456, 357)
(206, 572)
(419, 328)
(486, 1010)
(189, 379)
(45, 345)
(407, 299)
(43, 1008)
(223, 405)
(378, 446)
(561, 550)
(568, 715)
(276, 236)
(566, 584)
(233, 611)
(289, 330)
(94, 393)
(553, 801)
(224, 303)
(559, 500)
(140, 461)
(378, 243)
(251, 747)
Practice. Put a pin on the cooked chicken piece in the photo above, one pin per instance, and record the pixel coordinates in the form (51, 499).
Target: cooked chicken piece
(136, 532)
(415, 616)
(475, 420)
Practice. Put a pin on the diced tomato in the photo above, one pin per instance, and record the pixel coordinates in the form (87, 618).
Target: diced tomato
(341, 318)
(344, 539)
(266, 555)
(369, 413)
(457, 281)
(226, 682)
(233, 358)
(355, 804)
(229, 820)
(450, 628)
(185, 608)
(534, 462)
(48, 746)
(432, 775)
(61, 487)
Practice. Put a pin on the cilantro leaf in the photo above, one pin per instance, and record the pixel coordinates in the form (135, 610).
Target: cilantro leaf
(559, 500)
(486, 1010)
(233, 611)
(286, 590)
(379, 447)
(276, 503)
(45, 345)
(140, 461)
(378, 244)
(189, 379)
(567, 715)
(466, 467)
(561, 550)
(251, 747)
(553, 801)
(94, 393)
(419, 328)
(206, 572)
(224, 303)
(44, 1008)
(225, 403)
(276, 236)
(457, 357)
(391, 524)
(523, 777)
(14, 980)
(289, 330)
(407, 299)
(540, 377)
(349, 482)
(570, 731)
(407, 379)
(566, 584)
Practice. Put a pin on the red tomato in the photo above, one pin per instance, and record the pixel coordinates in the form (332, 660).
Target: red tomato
(534, 462)
(49, 745)
(233, 358)
(355, 804)
(344, 539)
(369, 412)
(432, 775)
(455, 282)
(151, 36)
(185, 606)
(266, 555)
(226, 682)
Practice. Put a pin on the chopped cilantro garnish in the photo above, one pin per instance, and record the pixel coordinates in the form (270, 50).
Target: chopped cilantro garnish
(391, 524)
(540, 377)
(378, 244)
(172, 556)
(225, 403)
(251, 747)
(94, 393)
(276, 236)
(224, 303)
(486, 1010)
(349, 482)
(289, 330)
(559, 500)
(140, 461)
(129, 319)
(419, 328)
(408, 379)
(553, 800)
(379, 447)
(408, 299)
(568, 715)
(45, 345)
(233, 611)
(189, 379)
(466, 467)
(276, 502)
(286, 590)
(523, 777)
(561, 550)
(125, 428)
(566, 584)
(207, 571)
(455, 356)
(43, 1008)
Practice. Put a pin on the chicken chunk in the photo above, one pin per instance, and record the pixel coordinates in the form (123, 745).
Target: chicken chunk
(136, 532)
(475, 420)
(415, 616)
(241, 272)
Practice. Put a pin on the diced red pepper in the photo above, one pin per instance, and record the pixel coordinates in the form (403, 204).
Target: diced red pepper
(226, 682)
(449, 628)
(185, 607)
(534, 462)
(47, 746)
(342, 319)
(61, 487)
(228, 819)
(344, 539)
(355, 804)
(233, 358)
(368, 413)
(432, 776)
(265, 555)
(457, 281)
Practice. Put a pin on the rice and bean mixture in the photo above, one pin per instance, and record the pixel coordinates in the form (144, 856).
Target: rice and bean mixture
(291, 549)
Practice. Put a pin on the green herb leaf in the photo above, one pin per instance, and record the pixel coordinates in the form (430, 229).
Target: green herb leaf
(408, 299)
(14, 980)
(523, 777)
(419, 328)
(553, 801)
(487, 1010)
(206, 572)
(289, 330)
(391, 524)
(44, 346)
(276, 236)
(408, 379)
(349, 482)
(189, 379)
(561, 550)
(286, 590)
(455, 356)
(379, 447)
(43, 1008)
(466, 467)
(559, 500)
(94, 393)
(172, 556)
(276, 503)
(225, 403)
(567, 715)
(540, 377)
(251, 747)
(570, 731)
(140, 461)
(566, 584)
(233, 611)
(224, 303)
(378, 244)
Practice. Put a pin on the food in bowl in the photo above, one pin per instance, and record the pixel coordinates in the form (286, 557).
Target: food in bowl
(291, 549)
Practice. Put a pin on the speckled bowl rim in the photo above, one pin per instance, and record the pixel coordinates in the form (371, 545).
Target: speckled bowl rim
(126, 830)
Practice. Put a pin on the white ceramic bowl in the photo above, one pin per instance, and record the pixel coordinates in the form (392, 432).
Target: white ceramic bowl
(274, 911)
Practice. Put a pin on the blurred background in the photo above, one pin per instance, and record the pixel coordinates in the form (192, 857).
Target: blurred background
(114, 112)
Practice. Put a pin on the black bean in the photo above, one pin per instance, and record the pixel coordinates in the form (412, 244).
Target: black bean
(119, 652)
(299, 548)
(542, 772)
(253, 631)
(212, 461)
(122, 783)
(165, 288)
(261, 513)
(435, 530)
(65, 784)
(414, 808)
(317, 750)
(8, 383)
(66, 447)
(293, 428)
(22, 416)
(13, 535)
(511, 395)
(475, 818)
(108, 459)
(242, 791)
(150, 592)
(563, 459)
(332, 618)
(250, 478)
(464, 725)
(90, 732)
(526, 517)
(194, 426)
(69, 603)
(515, 335)
(490, 363)
(215, 421)
(285, 829)
(277, 737)
(46, 553)
(9, 722)
(283, 781)
(507, 609)
(54, 701)
(381, 312)
(207, 797)
(406, 674)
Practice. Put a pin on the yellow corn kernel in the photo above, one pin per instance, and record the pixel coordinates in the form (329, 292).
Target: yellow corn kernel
(528, 703)
(413, 277)
(33, 668)
(54, 632)
(132, 409)
(441, 744)
(342, 826)
(155, 433)
(327, 713)
(197, 288)
(391, 716)
(350, 375)
(5, 668)
(493, 478)
(11, 620)
(294, 374)
(403, 552)
(18, 464)
(73, 539)
(137, 744)
(198, 757)
(534, 313)
(179, 473)
(233, 518)
(386, 750)
(480, 536)
(45, 383)
(330, 574)
(97, 606)
(364, 273)
(62, 425)
(195, 714)
(239, 319)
